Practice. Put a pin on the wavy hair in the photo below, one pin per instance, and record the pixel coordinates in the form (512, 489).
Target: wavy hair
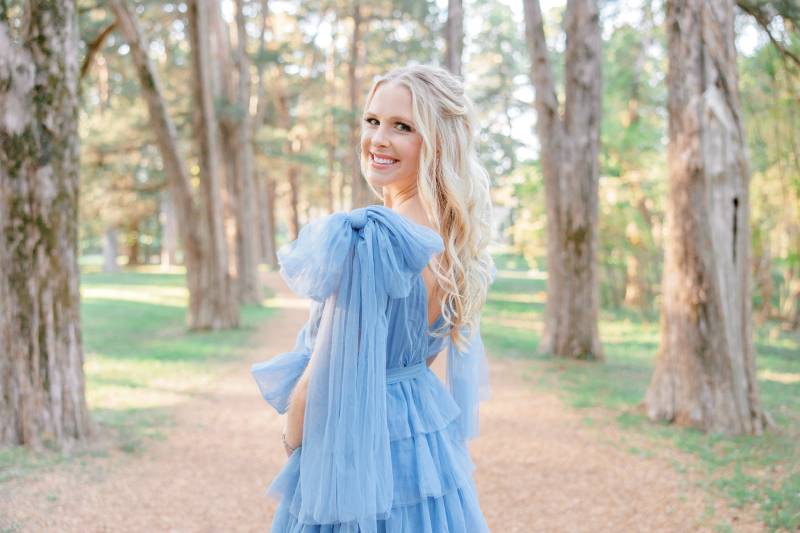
(454, 188)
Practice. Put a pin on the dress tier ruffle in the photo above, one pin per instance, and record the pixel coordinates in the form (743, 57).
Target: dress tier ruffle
(425, 424)
(434, 491)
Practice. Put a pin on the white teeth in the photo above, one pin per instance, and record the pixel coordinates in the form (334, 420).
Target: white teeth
(382, 161)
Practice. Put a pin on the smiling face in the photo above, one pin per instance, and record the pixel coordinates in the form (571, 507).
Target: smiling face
(390, 143)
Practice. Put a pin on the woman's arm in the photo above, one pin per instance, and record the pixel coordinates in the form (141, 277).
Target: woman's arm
(293, 423)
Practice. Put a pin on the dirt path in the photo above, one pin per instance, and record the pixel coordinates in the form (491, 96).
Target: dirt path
(539, 468)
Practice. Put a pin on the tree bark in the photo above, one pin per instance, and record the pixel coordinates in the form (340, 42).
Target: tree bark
(266, 212)
(569, 160)
(281, 99)
(223, 302)
(110, 249)
(133, 243)
(705, 372)
(169, 232)
(454, 36)
(359, 190)
(249, 284)
(206, 309)
(42, 383)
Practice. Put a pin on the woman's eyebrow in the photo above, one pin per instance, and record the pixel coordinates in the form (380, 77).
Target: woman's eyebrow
(396, 117)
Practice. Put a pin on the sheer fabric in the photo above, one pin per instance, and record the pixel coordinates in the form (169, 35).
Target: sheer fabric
(382, 448)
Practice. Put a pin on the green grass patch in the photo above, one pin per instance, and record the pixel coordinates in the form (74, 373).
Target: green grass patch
(761, 471)
(140, 360)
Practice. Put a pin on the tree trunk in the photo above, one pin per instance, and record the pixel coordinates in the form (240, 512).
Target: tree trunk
(110, 248)
(359, 190)
(569, 159)
(281, 98)
(330, 121)
(266, 195)
(266, 187)
(169, 232)
(223, 305)
(223, 88)
(705, 372)
(204, 301)
(133, 244)
(42, 384)
(294, 220)
(247, 227)
(454, 36)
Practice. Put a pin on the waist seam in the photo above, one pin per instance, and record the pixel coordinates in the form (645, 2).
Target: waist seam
(403, 373)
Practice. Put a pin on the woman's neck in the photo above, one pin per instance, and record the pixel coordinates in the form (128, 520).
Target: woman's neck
(408, 204)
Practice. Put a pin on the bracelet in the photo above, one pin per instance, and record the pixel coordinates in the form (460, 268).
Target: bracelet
(286, 444)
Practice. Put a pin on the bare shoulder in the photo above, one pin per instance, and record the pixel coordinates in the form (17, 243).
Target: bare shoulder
(434, 291)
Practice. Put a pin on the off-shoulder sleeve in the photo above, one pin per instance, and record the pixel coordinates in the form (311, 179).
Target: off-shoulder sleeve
(277, 377)
(311, 266)
(467, 377)
(352, 263)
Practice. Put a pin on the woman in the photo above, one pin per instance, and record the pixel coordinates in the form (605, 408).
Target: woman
(375, 441)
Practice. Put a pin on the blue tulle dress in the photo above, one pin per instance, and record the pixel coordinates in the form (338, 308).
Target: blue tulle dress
(384, 440)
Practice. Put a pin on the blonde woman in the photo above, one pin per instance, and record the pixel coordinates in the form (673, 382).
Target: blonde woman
(376, 442)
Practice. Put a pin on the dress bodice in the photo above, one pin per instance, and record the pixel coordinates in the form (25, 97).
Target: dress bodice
(409, 339)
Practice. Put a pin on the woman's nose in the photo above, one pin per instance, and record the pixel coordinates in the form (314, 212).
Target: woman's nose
(379, 137)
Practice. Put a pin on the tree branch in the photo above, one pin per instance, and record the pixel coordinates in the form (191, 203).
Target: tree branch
(761, 13)
(94, 46)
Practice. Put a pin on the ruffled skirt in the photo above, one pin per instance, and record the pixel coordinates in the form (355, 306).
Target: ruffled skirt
(434, 491)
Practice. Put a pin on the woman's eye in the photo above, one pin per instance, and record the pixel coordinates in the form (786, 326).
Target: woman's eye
(374, 122)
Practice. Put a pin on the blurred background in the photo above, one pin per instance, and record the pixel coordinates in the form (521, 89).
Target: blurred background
(159, 153)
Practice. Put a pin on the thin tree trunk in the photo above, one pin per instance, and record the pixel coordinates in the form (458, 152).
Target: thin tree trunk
(281, 99)
(203, 312)
(110, 249)
(42, 383)
(454, 36)
(169, 232)
(359, 190)
(224, 306)
(330, 121)
(705, 372)
(223, 89)
(249, 285)
(294, 220)
(267, 221)
(265, 187)
(133, 243)
(569, 160)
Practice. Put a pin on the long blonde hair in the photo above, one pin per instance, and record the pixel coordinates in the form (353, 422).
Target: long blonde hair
(454, 188)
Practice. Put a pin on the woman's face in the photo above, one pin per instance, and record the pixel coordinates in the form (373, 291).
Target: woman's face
(390, 143)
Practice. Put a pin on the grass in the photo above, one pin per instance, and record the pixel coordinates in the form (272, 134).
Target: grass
(140, 360)
(760, 471)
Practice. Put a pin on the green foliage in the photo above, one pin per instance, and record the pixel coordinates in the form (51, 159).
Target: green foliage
(769, 94)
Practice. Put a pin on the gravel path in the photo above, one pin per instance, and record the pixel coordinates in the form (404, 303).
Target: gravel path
(539, 467)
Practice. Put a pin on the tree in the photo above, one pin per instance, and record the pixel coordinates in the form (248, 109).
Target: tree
(454, 36)
(705, 372)
(236, 123)
(569, 162)
(211, 302)
(360, 194)
(207, 136)
(42, 384)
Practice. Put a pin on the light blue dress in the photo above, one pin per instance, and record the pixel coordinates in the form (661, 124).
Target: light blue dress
(384, 440)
